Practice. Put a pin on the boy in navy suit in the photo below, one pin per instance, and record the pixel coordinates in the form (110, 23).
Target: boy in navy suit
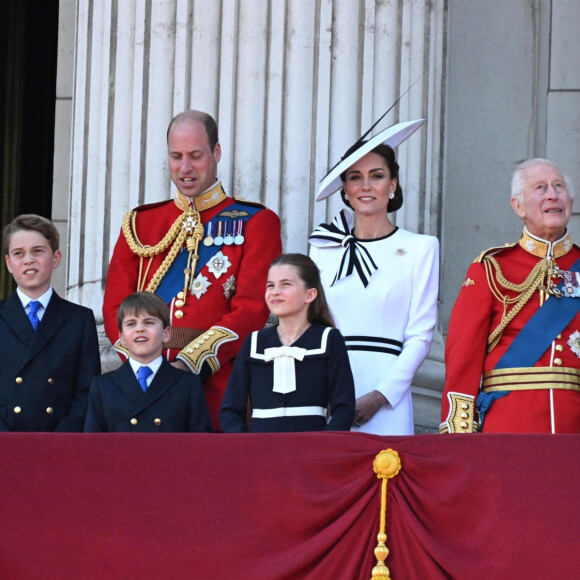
(146, 394)
(50, 348)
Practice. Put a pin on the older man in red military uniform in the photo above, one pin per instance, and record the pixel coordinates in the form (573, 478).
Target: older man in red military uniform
(206, 254)
(513, 349)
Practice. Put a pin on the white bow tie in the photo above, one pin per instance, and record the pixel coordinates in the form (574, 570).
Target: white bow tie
(284, 370)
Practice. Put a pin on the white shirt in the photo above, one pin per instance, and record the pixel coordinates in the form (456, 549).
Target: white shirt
(153, 365)
(26, 300)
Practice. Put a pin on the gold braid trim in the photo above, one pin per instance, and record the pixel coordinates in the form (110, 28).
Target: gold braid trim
(176, 235)
(526, 290)
(145, 251)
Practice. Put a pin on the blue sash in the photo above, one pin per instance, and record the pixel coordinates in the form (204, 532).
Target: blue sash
(533, 340)
(173, 280)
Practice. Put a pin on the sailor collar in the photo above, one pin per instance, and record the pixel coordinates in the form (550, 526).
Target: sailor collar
(544, 249)
(208, 199)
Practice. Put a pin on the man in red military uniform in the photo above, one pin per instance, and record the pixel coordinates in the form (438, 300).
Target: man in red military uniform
(206, 254)
(513, 349)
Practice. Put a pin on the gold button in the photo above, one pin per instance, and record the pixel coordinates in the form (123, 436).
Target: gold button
(19, 380)
(178, 314)
(464, 406)
(50, 381)
(157, 421)
(49, 410)
(181, 295)
(559, 336)
(190, 350)
(17, 409)
(559, 348)
(179, 303)
(133, 421)
(211, 332)
(206, 337)
(463, 425)
(464, 416)
(558, 362)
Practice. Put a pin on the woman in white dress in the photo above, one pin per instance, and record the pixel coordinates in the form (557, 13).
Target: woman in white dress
(380, 280)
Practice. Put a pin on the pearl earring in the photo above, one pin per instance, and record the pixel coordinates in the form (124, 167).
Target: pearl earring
(346, 197)
(392, 195)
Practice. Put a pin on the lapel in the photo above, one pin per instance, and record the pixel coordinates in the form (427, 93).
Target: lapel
(127, 382)
(163, 380)
(15, 317)
(54, 317)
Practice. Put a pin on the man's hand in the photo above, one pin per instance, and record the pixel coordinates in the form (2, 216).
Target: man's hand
(180, 365)
(367, 406)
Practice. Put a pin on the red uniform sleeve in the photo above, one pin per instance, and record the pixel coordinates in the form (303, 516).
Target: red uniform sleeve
(466, 345)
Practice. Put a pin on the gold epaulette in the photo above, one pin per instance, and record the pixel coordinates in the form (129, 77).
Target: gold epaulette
(153, 205)
(248, 202)
(493, 250)
(204, 349)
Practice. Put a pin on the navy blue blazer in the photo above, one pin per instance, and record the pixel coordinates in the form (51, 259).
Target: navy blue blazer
(45, 375)
(173, 403)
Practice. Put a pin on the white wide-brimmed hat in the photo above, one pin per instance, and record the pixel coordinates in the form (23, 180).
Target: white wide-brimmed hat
(392, 136)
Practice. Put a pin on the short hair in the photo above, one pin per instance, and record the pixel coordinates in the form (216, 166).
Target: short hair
(206, 120)
(388, 154)
(518, 181)
(35, 223)
(140, 302)
(308, 272)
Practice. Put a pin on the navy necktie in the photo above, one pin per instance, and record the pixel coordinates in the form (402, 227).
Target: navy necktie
(33, 307)
(142, 375)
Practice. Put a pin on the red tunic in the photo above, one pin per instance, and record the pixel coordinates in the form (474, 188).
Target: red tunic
(238, 311)
(477, 312)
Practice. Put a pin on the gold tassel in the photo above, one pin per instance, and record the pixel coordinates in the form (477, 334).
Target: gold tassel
(386, 465)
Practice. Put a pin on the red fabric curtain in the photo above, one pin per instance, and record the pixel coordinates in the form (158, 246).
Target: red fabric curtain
(287, 506)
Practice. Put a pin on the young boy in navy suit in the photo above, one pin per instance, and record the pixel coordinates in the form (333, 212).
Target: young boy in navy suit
(50, 348)
(146, 394)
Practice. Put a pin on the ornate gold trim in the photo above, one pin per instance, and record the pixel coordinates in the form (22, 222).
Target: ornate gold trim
(461, 417)
(531, 378)
(202, 202)
(120, 347)
(544, 249)
(205, 348)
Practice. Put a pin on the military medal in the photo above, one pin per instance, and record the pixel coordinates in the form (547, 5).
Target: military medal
(208, 240)
(239, 238)
(219, 264)
(219, 239)
(229, 239)
(200, 285)
(571, 283)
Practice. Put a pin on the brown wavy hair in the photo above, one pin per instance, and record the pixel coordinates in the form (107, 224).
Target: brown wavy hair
(308, 272)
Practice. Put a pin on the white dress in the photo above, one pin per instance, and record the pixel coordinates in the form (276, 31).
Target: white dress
(388, 324)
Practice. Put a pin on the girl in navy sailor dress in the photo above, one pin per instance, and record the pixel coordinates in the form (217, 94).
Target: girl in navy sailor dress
(295, 376)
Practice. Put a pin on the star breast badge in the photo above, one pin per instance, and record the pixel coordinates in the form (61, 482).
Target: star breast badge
(574, 343)
(199, 286)
(219, 264)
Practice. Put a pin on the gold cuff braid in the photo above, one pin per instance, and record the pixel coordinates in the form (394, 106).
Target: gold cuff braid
(461, 417)
(120, 347)
(204, 349)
